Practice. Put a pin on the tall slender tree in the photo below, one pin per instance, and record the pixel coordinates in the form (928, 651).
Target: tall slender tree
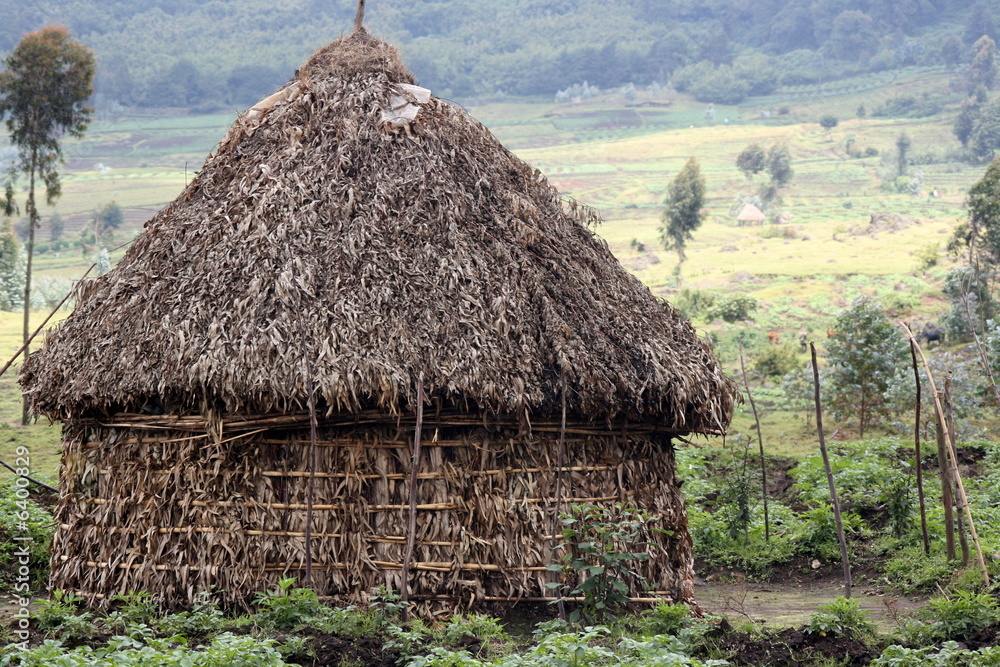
(44, 88)
(683, 213)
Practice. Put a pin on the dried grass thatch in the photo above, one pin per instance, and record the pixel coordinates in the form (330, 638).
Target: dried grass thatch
(750, 213)
(318, 233)
(352, 235)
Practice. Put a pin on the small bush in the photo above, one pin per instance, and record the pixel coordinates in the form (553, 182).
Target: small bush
(667, 619)
(839, 618)
(733, 308)
(776, 360)
(288, 607)
(960, 615)
(950, 654)
(22, 517)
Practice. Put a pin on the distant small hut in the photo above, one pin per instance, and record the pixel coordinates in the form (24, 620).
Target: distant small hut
(241, 394)
(750, 215)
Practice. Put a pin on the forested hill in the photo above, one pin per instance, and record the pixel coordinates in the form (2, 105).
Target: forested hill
(230, 52)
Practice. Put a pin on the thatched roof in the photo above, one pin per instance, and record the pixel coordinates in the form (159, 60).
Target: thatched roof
(750, 213)
(326, 232)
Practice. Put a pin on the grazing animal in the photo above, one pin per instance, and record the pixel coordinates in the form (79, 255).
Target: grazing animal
(773, 337)
(803, 339)
(932, 334)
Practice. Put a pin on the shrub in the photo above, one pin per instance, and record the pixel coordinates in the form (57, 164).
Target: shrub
(840, 617)
(667, 619)
(22, 517)
(950, 654)
(288, 607)
(733, 307)
(776, 360)
(962, 614)
(595, 543)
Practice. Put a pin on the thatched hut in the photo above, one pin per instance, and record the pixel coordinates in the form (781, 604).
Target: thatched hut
(240, 394)
(750, 215)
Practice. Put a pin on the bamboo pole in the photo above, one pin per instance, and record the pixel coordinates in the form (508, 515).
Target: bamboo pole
(411, 532)
(829, 478)
(760, 444)
(916, 447)
(951, 453)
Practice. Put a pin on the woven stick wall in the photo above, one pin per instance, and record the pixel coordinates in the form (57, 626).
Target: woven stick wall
(178, 505)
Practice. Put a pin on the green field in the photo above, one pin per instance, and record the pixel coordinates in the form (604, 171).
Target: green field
(618, 155)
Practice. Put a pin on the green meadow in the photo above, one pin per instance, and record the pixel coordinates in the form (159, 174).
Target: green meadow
(617, 153)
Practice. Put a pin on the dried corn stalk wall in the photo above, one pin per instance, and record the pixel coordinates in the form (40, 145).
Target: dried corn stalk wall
(177, 506)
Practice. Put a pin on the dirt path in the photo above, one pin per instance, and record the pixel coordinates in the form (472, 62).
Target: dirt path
(790, 605)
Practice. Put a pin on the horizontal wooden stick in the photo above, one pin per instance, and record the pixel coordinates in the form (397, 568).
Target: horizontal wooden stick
(431, 566)
(369, 417)
(401, 476)
(282, 506)
(169, 530)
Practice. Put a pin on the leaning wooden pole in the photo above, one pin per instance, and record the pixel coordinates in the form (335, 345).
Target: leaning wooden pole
(829, 477)
(760, 445)
(951, 453)
(917, 462)
(411, 530)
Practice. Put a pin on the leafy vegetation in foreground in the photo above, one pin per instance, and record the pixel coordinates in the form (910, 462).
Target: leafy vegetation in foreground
(306, 632)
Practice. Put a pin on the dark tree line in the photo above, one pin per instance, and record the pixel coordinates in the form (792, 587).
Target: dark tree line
(229, 54)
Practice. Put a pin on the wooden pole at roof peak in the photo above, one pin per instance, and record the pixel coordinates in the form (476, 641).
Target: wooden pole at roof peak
(359, 18)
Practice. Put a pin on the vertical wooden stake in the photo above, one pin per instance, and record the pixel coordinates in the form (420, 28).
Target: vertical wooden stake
(411, 531)
(311, 456)
(963, 540)
(916, 455)
(947, 499)
(760, 444)
(310, 489)
(560, 462)
(829, 478)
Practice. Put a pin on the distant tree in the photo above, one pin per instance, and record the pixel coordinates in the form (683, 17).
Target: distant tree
(903, 144)
(779, 165)
(752, 160)
(861, 111)
(57, 226)
(683, 212)
(853, 37)
(966, 120)
(952, 51)
(44, 88)
(11, 268)
(979, 23)
(106, 220)
(864, 352)
(828, 122)
(983, 205)
(985, 137)
(983, 70)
